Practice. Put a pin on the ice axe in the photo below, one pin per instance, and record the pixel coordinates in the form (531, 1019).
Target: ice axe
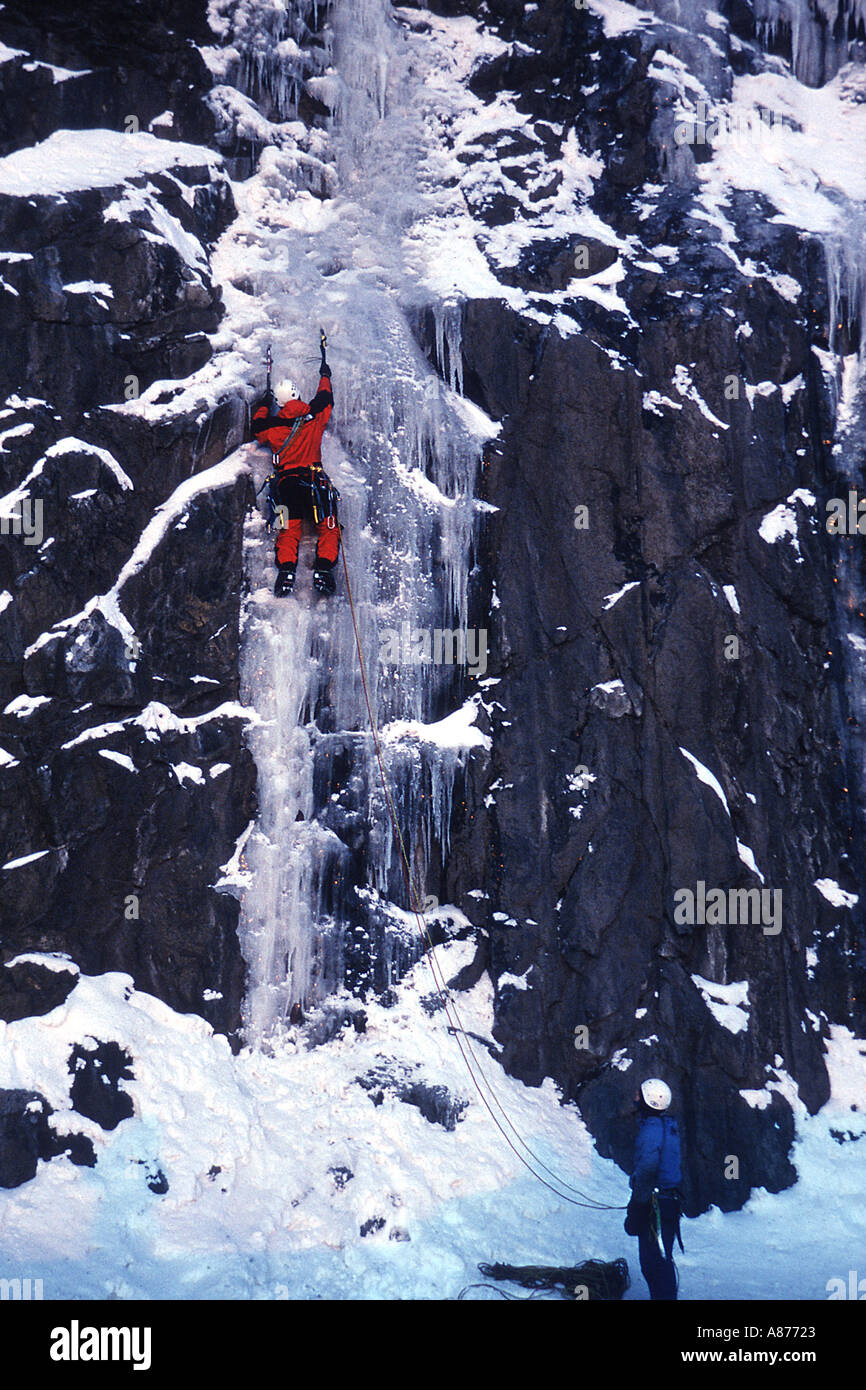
(269, 395)
(323, 344)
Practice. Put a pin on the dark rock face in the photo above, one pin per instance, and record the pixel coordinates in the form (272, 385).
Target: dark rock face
(96, 1091)
(128, 781)
(77, 1148)
(602, 686)
(136, 59)
(341, 1175)
(142, 312)
(156, 1180)
(371, 1225)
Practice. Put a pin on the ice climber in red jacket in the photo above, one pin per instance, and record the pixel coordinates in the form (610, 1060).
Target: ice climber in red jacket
(293, 432)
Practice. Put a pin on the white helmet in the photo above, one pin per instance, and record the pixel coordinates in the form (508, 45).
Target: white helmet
(656, 1094)
(286, 390)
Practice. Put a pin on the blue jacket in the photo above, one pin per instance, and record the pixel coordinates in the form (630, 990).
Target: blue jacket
(656, 1156)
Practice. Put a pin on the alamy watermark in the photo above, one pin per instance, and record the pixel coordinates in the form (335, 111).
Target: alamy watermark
(77, 1343)
(855, 1289)
(742, 907)
(846, 516)
(439, 646)
(25, 519)
(21, 1290)
(746, 129)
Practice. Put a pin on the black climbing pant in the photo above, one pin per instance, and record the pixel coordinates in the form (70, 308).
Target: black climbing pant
(657, 1267)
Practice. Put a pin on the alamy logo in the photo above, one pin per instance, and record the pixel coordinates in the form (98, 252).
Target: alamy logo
(855, 1290)
(846, 518)
(21, 1290)
(736, 907)
(745, 128)
(76, 1343)
(416, 646)
(25, 519)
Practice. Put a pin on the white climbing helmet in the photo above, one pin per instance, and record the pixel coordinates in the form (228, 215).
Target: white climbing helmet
(656, 1094)
(286, 390)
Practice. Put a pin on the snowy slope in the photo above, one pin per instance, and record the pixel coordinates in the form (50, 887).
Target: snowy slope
(276, 1163)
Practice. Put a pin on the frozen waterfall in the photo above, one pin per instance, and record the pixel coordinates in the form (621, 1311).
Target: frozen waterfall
(325, 900)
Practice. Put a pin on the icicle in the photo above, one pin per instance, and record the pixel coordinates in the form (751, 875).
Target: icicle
(846, 286)
(822, 33)
(275, 50)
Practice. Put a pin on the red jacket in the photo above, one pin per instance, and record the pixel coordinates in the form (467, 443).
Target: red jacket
(299, 447)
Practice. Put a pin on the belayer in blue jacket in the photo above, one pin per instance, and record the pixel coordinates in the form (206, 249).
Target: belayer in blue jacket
(654, 1210)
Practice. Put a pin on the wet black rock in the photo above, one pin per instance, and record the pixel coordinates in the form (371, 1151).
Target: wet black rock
(435, 1101)
(156, 1180)
(129, 782)
(341, 1175)
(640, 469)
(28, 989)
(101, 306)
(97, 1091)
(331, 1019)
(373, 1224)
(23, 1135)
(27, 1134)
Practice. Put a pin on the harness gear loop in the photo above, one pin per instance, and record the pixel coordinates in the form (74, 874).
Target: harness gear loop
(272, 500)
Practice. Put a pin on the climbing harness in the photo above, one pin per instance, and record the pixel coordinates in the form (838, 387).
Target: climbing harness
(324, 496)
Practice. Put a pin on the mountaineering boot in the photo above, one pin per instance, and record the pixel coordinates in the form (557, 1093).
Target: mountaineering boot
(285, 581)
(323, 581)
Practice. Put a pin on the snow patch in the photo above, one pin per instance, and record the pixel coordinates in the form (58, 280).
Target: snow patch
(829, 889)
(729, 1004)
(705, 776)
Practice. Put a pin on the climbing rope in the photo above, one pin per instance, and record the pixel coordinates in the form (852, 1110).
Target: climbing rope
(459, 1032)
(600, 1281)
(502, 1293)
